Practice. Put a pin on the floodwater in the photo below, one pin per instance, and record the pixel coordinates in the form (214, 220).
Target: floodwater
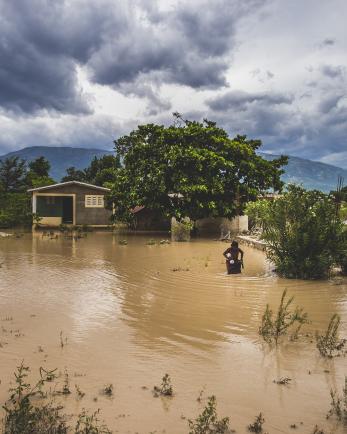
(128, 314)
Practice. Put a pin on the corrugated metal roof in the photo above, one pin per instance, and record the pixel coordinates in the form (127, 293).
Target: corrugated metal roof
(62, 184)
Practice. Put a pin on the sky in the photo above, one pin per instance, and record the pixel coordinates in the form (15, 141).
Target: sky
(85, 72)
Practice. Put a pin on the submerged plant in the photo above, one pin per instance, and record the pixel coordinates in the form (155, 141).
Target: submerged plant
(283, 381)
(338, 404)
(22, 417)
(89, 424)
(207, 422)
(165, 388)
(108, 390)
(47, 375)
(79, 392)
(329, 345)
(151, 242)
(66, 389)
(257, 425)
(272, 329)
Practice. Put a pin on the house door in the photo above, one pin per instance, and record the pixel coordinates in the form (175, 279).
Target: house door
(67, 210)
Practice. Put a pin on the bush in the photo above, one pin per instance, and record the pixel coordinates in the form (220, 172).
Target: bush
(207, 422)
(15, 210)
(303, 231)
(329, 343)
(180, 231)
(23, 418)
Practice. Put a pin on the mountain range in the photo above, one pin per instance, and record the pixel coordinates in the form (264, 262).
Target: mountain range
(311, 174)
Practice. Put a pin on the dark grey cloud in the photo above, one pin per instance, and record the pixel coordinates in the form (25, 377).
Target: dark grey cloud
(240, 100)
(189, 45)
(42, 43)
(88, 131)
(328, 42)
(333, 71)
(311, 125)
(36, 72)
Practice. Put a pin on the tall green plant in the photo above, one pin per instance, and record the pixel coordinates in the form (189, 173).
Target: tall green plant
(274, 326)
(303, 232)
(207, 422)
(329, 343)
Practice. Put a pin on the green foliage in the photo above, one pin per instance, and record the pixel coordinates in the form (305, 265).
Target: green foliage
(12, 175)
(73, 174)
(15, 179)
(303, 232)
(90, 424)
(257, 425)
(101, 171)
(15, 210)
(40, 167)
(190, 169)
(165, 388)
(329, 344)
(22, 417)
(272, 328)
(180, 231)
(207, 422)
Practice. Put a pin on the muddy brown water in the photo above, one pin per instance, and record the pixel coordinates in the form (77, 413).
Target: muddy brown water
(129, 318)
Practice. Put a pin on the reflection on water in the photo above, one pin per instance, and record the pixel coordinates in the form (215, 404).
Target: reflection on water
(129, 317)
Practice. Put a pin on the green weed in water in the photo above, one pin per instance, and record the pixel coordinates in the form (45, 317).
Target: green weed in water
(329, 345)
(257, 425)
(272, 328)
(338, 404)
(207, 422)
(165, 388)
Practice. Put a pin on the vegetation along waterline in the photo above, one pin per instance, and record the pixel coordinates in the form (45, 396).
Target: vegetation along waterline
(116, 328)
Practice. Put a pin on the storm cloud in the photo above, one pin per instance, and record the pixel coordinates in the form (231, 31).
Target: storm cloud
(80, 72)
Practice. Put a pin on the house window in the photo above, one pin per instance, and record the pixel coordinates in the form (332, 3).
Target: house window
(92, 201)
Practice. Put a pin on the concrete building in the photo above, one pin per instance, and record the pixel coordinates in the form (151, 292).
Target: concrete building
(71, 203)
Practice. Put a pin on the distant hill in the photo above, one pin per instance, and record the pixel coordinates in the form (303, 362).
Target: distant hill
(310, 174)
(60, 157)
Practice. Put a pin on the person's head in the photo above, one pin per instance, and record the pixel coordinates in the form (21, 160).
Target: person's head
(235, 244)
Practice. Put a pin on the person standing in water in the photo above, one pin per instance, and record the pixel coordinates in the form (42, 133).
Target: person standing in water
(234, 258)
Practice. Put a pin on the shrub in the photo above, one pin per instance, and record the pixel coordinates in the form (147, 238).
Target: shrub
(165, 388)
(338, 405)
(23, 418)
(257, 425)
(303, 231)
(15, 210)
(207, 422)
(272, 328)
(180, 231)
(329, 344)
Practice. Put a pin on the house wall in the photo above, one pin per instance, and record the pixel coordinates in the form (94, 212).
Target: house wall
(83, 215)
(222, 225)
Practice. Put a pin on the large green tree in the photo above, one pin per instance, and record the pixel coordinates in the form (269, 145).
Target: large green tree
(38, 173)
(15, 178)
(190, 169)
(12, 174)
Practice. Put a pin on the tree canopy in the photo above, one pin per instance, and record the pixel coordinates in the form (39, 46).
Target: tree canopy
(190, 169)
(15, 178)
(12, 174)
(101, 171)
